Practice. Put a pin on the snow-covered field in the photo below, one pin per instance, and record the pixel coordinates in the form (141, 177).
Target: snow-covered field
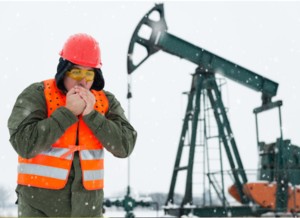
(110, 212)
(139, 212)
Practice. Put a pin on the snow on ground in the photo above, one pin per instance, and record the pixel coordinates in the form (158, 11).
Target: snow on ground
(110, 212)
(118, 212)
(138, 212)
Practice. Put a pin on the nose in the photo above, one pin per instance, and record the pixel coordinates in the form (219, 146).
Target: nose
(82, 82)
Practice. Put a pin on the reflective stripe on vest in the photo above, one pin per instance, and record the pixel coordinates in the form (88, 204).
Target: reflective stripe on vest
(92, 154)
(89, 175)
(48, 169)
(40, 170)
(57, 152)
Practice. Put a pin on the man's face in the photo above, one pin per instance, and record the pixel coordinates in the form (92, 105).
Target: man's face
(70, 83)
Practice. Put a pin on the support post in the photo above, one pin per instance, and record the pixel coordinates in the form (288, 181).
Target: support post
(188, 197)
(181, 142)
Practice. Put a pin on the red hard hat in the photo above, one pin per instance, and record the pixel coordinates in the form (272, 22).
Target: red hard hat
(82, 49)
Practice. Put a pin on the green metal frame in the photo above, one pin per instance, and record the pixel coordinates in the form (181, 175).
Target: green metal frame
(203, 80)
(282, 171)
(160, 39)
(219, 189)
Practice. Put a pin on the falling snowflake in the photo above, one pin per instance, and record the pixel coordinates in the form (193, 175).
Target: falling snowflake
(43, 128)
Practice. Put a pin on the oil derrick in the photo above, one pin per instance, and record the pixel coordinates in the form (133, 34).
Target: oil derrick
(279, 170)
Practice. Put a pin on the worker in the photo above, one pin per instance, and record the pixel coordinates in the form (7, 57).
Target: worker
(60, 128)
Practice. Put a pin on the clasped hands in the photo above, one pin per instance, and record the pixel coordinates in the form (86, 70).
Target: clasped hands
(80, 101)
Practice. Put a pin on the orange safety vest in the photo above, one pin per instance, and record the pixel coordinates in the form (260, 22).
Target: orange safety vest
(50, 169)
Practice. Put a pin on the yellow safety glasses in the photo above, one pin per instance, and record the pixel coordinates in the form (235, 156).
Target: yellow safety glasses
(78, 74)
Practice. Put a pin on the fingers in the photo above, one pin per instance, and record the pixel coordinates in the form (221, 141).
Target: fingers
(88, 97)
(71, 91)
(85, 98)
(82, 89)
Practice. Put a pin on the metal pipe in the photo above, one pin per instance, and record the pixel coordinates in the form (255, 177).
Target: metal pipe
(129, 95)
(257, 136)
(280, 122)
(204, 145)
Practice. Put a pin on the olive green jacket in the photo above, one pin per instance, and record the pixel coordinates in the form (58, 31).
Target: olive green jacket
(31, 132)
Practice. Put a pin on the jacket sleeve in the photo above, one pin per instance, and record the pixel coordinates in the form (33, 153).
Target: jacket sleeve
(31, 132)
(112, 130)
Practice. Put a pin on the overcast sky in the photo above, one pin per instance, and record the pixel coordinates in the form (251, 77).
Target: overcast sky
(261, 36)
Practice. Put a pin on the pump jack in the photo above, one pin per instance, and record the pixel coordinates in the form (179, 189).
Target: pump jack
(274, 193)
